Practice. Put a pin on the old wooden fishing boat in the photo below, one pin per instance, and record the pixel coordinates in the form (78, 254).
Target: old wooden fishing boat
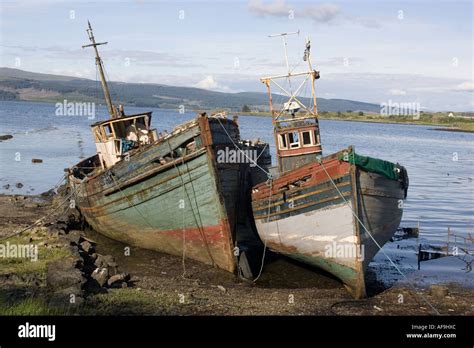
(333, 212)
(169, 192)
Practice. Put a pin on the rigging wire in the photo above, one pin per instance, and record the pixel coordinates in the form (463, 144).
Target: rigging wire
(374, 240)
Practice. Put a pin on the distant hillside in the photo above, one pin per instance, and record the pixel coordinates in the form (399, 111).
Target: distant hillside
(18, 84)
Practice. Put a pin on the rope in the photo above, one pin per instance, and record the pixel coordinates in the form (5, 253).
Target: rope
(376, 243)
(270, 180)
(203, 235)
(240, 150)
(40, 219)
(184, 242)
(130, 202)
(270, 183)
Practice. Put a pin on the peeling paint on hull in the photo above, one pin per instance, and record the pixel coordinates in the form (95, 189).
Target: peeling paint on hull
(310, 222)
(186, 208)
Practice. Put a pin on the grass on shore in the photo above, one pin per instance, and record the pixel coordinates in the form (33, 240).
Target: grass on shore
(21, 265)
(27, 306)
(440, 119)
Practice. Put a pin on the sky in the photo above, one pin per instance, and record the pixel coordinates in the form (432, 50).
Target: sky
(415, 51)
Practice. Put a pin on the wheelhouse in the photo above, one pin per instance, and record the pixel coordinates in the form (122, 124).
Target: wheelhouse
(117, 138)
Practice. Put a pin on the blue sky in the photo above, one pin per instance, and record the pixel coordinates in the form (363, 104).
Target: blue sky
(374, 51)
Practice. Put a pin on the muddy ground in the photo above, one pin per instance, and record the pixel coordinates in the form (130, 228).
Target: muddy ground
(161, 284)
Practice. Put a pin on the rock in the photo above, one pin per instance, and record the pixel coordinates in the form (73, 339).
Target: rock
(6, 137)
(109, 259)
(62, 274)
(66, 298)
(93, 242)
(105, 261)
(36, 160)
(53, 231)
(74, 236)
(117, 280)
(87, 247)
(61, 225)
(100, 261)
(76, 256)
(221, 288)
(19, 185)
(101, 275)
(439, 291)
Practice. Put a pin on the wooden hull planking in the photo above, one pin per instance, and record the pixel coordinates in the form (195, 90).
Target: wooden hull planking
(309, 221)
(183, 208)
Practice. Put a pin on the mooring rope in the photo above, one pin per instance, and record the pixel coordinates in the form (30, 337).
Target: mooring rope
(270, 179)
(240, 150)
(42, 218)
(270, 183)
(375, 241)
(203, 235)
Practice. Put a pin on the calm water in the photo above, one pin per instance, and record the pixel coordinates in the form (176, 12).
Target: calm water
(440, 164)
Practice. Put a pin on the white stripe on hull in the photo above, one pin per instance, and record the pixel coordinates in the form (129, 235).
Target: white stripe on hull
(312, 233)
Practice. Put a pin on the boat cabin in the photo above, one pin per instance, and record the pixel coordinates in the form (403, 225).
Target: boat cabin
(118, 137)
(298, 144)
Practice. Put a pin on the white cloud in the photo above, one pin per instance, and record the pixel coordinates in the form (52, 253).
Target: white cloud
(209, 82)
(366, 22)
(323, 13)
(465, 87)
(278, 8)
(397, 92)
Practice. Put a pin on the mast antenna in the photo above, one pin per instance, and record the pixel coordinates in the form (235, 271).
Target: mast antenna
(283, 37)
(99, 63)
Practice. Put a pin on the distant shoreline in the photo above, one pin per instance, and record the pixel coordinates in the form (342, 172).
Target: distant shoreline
(460, 126)
(455, 125)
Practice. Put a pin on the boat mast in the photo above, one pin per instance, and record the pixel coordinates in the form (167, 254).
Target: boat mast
(294, 116)
(99, 63)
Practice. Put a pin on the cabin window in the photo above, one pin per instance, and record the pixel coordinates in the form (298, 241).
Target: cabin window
(293, 139)
(283, 143)
(315, 137)
(306, 138)
(108, 131)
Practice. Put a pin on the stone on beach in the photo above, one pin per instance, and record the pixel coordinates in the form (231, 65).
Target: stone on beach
(117, 280)
(62, 274)
(87, 246)
(101, 275)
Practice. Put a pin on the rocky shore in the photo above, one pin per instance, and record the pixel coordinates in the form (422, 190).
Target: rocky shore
(81, 272)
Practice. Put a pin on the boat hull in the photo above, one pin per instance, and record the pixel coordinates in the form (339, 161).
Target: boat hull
(313, 222)
(185, 207)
